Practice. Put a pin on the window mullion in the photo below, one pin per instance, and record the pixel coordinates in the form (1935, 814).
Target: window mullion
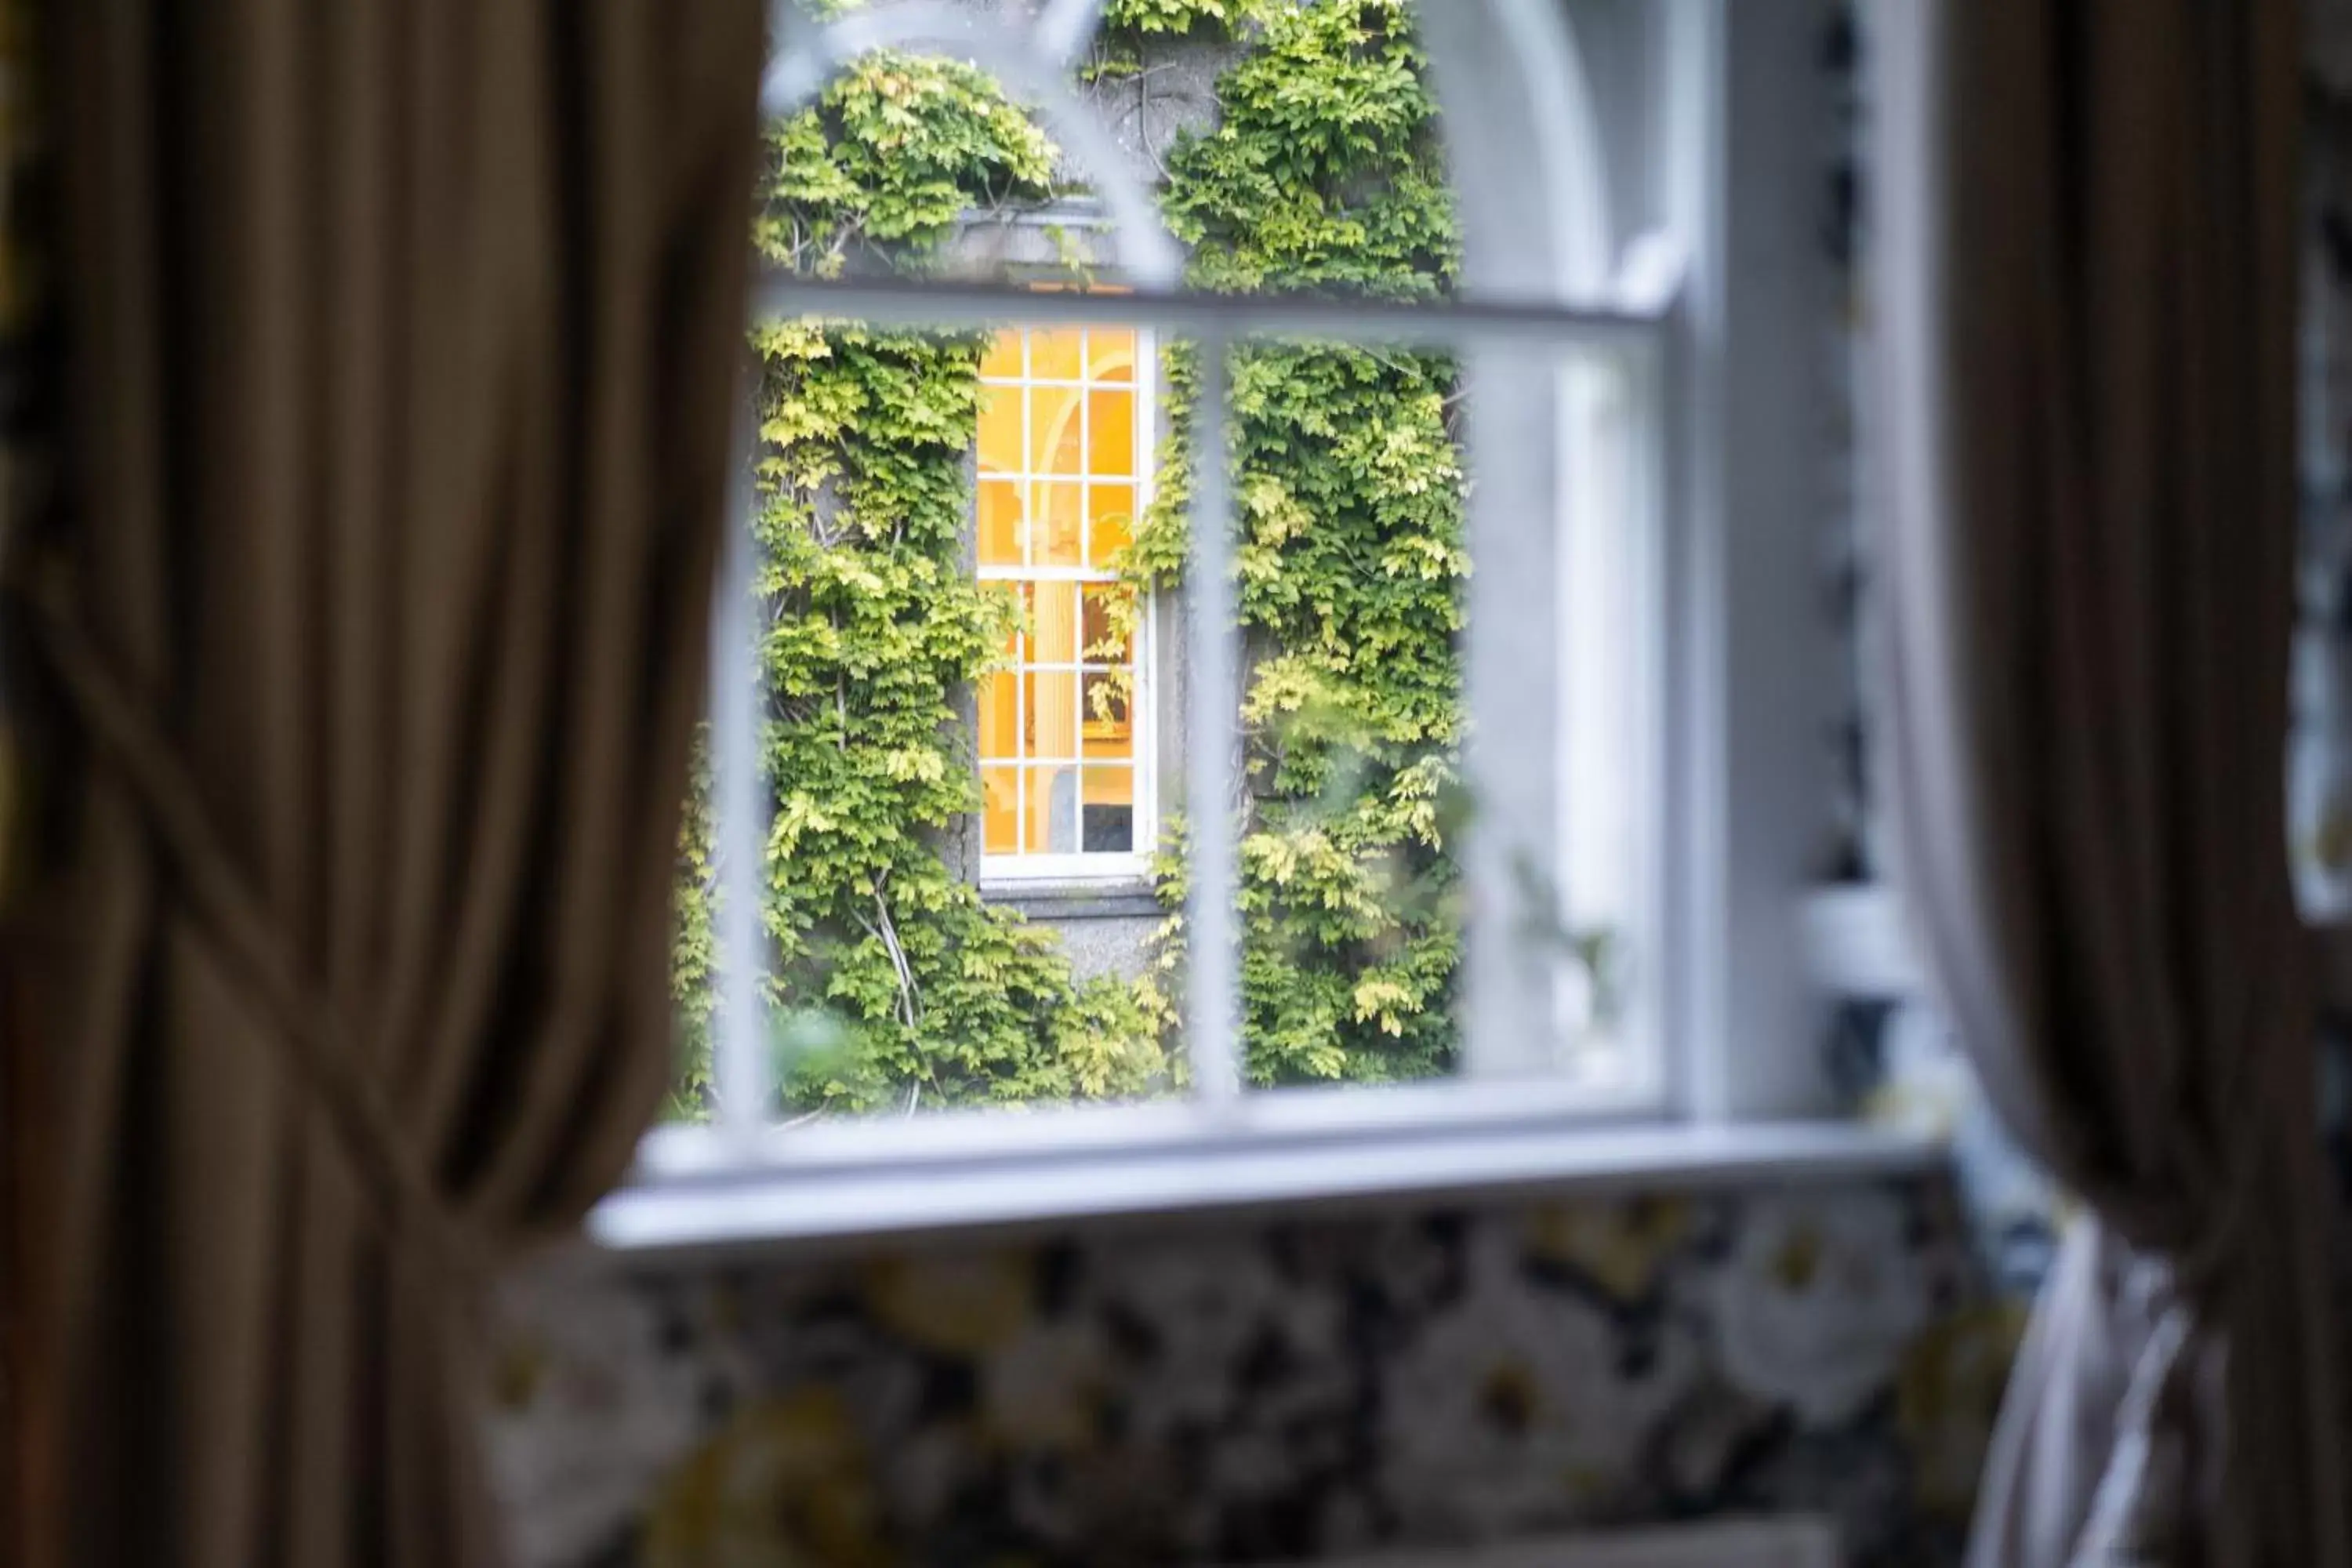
(739, 1065)
(1066, 27)
(1450, 326)
(1212, 1029)
(1511, 854)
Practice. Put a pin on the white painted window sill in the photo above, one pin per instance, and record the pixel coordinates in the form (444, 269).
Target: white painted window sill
(833, 1202)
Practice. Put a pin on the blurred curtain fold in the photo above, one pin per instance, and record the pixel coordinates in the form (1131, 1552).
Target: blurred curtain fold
(403, 341)
(2085, 223)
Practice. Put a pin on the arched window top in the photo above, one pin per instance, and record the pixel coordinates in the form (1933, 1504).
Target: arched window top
(1539, 173)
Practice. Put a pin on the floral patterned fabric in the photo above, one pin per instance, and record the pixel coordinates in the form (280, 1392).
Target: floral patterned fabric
(1206, 1392)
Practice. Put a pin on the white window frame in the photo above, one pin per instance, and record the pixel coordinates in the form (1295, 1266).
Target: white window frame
(1012, 873)
(1719, 322)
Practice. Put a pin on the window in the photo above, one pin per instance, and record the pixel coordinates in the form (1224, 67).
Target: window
(1064, 453)
(1426, 495)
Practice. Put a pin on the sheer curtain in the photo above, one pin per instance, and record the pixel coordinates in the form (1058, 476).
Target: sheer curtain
(2086, 216)
(402, 341)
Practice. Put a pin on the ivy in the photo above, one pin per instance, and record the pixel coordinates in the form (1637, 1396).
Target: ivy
(894, 985)
(1126, 20)
(892, 156)
(1325, 171)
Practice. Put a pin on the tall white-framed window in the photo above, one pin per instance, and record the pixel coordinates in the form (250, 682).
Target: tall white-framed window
(1065, 737)
(1621, 823)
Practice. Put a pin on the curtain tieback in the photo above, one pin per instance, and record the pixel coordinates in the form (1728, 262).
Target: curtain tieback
(2141, 1516)
(2138, 1516)
(314, 1044)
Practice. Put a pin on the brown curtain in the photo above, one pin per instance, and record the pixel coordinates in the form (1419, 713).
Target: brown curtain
(402, 341)
(2086, 215)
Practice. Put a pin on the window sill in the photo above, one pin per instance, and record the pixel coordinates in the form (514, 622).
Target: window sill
(1107, 1178)
(1118, 898)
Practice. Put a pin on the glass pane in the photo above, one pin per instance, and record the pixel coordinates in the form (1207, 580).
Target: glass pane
(1054, 625)
(1056, 430)
(1000, 430)
(1057, 354)
(1110, 522)
(1104, 641)
(1110, 355)
(1110, 733)
(1017, 642)
(1110, 784)
(1000, 717)
(1050, 721)
(999, 522)
(1109, 795)
(1001, 817)
(1110, 434)
(1054, 536)
(1053, 811)
(1002, 360)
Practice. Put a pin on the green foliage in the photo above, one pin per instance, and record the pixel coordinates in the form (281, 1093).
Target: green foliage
(1147, 18)
(894, 984)
(873, 627)
(1324, 172)
(694, 952)
(896, 151)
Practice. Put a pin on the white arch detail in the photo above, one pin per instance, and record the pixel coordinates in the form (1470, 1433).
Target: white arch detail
(1032, 60)
(1523, 48)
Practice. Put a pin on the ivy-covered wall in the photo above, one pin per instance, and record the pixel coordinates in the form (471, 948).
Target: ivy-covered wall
(894, 984)
(1326, 172)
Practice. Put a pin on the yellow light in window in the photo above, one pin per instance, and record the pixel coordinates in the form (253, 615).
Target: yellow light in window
(1001, 818)
(1101, 640)
(1057, 355)
(1059, 439)
(1110, 354)
(1056, 536)
(1109, 736)
(1051, 725)
(1057, 433)
(1110, 433)
(1000, 717)
(1110, 787)
(999, 522)
(1024, 610)
(1002, 360)
(1000, 430)
(1110, 521)
(1054, 624)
